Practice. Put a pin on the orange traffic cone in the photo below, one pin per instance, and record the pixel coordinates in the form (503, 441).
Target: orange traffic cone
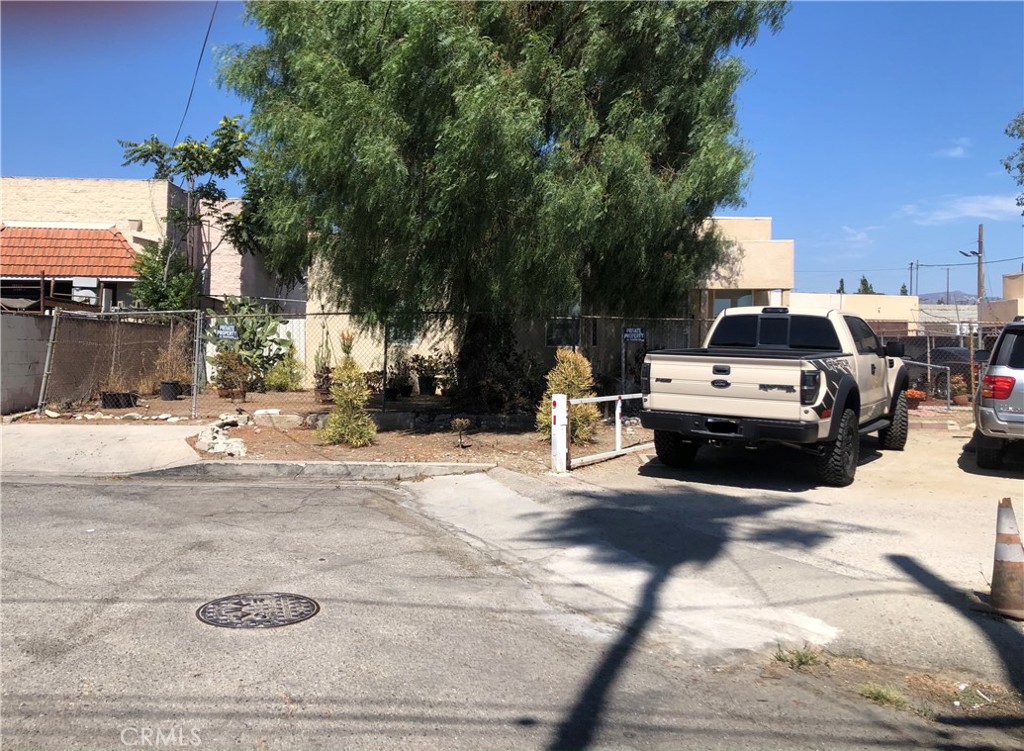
(1008, 569)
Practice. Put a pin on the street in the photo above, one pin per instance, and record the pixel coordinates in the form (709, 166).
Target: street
(481, 611)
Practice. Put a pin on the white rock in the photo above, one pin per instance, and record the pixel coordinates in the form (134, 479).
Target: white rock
(273, 411)
(173, 419)
(164, 416)
(51, 413)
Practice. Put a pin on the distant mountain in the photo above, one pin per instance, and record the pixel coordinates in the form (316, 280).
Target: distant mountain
(949, 298)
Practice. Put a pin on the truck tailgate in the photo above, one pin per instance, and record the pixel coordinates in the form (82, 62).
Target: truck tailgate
(760, 388)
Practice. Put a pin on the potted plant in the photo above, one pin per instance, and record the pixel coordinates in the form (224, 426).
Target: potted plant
(426, 368)
(915, 397)
(232, 374)
(400, 377)
(116, 392)
(958, 390)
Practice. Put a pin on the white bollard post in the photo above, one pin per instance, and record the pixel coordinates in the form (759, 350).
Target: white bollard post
(559, 432)
(618, 423)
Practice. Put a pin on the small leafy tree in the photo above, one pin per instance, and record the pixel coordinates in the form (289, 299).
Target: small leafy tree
(572, 376)
(348, 422)
(903, 290)
(165, 280)
(842, 287)
(1014, 163)
(199, 164)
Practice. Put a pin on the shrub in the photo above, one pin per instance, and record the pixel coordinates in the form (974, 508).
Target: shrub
(348, 422)
(232, 371)
(286, 374)
(572, 376)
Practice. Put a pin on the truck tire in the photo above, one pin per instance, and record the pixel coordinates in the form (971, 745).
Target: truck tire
(988, 452)
(672, 450)
(837, 462)
(894, 437)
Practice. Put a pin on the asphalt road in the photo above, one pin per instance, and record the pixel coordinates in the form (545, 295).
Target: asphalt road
(425, 639)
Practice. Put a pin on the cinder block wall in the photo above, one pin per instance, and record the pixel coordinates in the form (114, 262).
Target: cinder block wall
(23, 341)
(88, 201)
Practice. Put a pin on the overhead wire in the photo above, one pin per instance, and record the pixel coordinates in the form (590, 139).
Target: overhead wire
(195, 75)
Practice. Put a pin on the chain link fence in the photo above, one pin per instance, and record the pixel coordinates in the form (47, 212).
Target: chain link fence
(941, 356)
(116, 359)
(182, 363)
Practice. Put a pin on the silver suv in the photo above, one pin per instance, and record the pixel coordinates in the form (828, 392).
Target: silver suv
(999, 406)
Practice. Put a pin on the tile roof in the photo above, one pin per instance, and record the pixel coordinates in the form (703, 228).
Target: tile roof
(62, 252)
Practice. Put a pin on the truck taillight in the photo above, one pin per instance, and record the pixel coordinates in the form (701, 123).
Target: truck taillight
(645, 378)
(810, 380)
(997, 387)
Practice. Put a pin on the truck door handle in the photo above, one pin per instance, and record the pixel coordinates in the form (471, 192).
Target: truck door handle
(721, 370)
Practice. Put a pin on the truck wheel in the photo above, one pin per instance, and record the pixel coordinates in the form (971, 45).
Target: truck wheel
(988, 452)
(672, 450)
(894, 437)
(837, 463)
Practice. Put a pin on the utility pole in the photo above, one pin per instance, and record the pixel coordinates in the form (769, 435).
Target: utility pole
(911, 277)
(981, 279)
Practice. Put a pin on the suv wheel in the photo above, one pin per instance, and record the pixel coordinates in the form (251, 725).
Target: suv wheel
(672, 450)
(988, 452)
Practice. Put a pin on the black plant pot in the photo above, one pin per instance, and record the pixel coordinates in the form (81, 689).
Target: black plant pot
(427, 384)
(390, 393)
(405, 391)
(117, 399)
(184, 389)
(169, 390)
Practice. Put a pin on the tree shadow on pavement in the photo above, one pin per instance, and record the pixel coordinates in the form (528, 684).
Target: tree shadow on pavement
(628, 529)
(1005, 638)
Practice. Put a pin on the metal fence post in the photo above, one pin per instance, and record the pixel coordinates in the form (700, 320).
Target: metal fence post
(49, 362)
(384, 385)
(197, 369)
(559, 432)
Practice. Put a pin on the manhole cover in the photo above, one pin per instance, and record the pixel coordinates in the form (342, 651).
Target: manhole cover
(266, 610)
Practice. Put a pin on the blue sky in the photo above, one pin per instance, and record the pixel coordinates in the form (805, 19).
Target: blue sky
(877, 127)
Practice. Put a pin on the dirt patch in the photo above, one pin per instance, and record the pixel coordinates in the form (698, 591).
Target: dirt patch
(524, 451)
(943, 698)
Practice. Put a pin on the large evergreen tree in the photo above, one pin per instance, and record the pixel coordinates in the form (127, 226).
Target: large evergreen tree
(496, 158)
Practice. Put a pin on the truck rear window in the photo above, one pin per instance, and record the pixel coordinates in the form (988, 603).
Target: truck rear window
(792, 332)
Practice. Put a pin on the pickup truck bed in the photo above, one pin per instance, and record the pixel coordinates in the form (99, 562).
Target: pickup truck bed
(752, 387)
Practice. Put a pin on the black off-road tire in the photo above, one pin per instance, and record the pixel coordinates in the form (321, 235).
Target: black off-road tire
(837, 463)
(988, 452)
(894, 437)
(673, 451)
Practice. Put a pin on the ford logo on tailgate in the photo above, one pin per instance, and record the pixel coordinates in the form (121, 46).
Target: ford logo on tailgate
(721, 383)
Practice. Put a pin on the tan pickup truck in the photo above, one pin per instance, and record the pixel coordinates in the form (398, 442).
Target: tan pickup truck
(812, 378)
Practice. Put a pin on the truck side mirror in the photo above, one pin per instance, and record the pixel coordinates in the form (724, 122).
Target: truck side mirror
(894, 349)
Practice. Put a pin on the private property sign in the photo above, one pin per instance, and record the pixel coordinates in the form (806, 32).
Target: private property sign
(634, 334)
(227, 331)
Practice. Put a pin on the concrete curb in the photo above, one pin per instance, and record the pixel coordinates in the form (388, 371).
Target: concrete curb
(313, 470)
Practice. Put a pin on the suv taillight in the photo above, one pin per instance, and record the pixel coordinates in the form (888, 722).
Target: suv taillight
(645, 378)
(997, 387)
(809, 382)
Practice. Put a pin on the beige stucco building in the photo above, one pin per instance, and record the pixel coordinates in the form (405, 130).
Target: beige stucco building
(139, 210)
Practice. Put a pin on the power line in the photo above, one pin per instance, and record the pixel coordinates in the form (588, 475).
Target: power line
(904, 268)
(195, 75)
